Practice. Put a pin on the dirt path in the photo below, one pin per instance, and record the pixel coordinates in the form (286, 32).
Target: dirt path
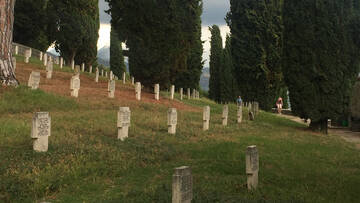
(344, 133)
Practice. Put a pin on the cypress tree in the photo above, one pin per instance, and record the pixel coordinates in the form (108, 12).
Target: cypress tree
(256, 45)
(117, 64)
(216, 57)
(321, 57)
(227, 81)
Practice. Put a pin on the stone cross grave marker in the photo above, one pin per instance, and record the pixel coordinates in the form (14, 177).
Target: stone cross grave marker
(181, 93)
(111, 75)
(251, 113)
(239, 113)
(72, 64)
(206, 118)
(182, 186)
(138, 91)
(157, 91)
(111, 88)
(83, 67)
(45, 59)
(90, 69)
(34, 80)
(61, 62)
(14, 63)
(75, 85)
(16, 50)
(197, 95)
(77, 69)
(27, 55)
(49, 70)
(123, 122)
(106, 74)
(225, 115)
(97, 75)
(132, 80)
(194, 94)
(102, 72)
(172, 120)
(124, 77)
(172, 92)
(41, 56)
(30, 52)
(188, 93)
(252, 167)
(41, 131)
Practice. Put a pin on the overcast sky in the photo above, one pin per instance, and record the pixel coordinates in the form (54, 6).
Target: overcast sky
(214, 13)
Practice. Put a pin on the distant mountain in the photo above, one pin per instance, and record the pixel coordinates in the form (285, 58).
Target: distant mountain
(103, 56)
(204, 79)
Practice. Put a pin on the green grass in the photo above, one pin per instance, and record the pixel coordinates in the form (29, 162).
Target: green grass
(86, 163)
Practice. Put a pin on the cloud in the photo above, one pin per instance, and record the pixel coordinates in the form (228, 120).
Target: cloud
(214, 12)
(104, 17)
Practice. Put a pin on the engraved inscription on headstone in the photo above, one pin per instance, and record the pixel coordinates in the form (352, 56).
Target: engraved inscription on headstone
(138, 91)
(75, 85)
(225, 114)
(41, 131)
(206, 118)
(123, 124)
(182, 186)
(111, 88)
(252, 167)
(172, 120)
(34, 80)
(172, 92)
(157, 91)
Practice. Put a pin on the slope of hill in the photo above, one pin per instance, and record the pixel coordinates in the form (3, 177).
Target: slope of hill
(86, 162)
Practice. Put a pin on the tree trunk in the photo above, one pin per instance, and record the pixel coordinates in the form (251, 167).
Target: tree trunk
(320, 126)
(7, 74)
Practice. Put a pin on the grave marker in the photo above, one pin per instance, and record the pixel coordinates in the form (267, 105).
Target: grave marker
(16, 50)
(41, 55)
(61, 62)
(239, 113)
(252, 167)
(102, 72)
(27, 55)
(41, 131)
(77, 69)
(182, 186)
(83, 67)
(124, 77)
(188, 93)
(97, 75)
(49, 70)
(172, 120)
(90, 69)
(132, 80)
(34, 80)
(123, 123)
(72, 64)
(181, 93)
(206, 118)
(111, 75)
(14, 63)
(194, 94)
(75, 85)
(138, 91)
(157, 91)
(172, 92)
(225, 115)
(111, 88)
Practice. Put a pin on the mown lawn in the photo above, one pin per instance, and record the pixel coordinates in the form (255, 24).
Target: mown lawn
(86, 162)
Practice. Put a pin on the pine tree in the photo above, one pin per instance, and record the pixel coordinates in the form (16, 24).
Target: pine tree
(256, 46)
(117, 64)
(216, 57)
(321, 57)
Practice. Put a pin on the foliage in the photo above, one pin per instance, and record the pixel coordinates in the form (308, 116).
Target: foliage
(355, 101)
(256, 45)
(32, 26)
(117, 64)
(321, 57)
(216, 59)
(159, 36)
(77, 25)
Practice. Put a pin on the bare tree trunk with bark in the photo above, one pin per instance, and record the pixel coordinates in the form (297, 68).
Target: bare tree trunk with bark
(7, 74)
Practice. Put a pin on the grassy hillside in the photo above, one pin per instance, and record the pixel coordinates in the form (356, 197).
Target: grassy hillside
(86, 163)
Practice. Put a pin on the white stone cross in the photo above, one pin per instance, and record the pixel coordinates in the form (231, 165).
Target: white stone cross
(172, 120)
(124, 77)
(41, 131)
(83, 67)
(182, 185)
(181, 93)
(111, 88)
(138, 91)
(172, 92)
(157, 91)
(34, 80)
(45, 59)
(41, 56)
(225, 115)
(111, 75)
(75, 85)
(97, 75)
(206, 118)
(252, 167)
(27, 55)
(72, 64)
(90, 69)
(49, 69)
(61, 62)
(123, 123)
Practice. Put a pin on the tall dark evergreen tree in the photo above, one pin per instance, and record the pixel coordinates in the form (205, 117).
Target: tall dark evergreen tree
(77, 25)
(228, 87)
(32, 26)
(216, 61)
(321, 57)
(157, 35)
(117, 64)
(256, 45)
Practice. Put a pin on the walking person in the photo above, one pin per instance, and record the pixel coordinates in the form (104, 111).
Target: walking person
(279, 105)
